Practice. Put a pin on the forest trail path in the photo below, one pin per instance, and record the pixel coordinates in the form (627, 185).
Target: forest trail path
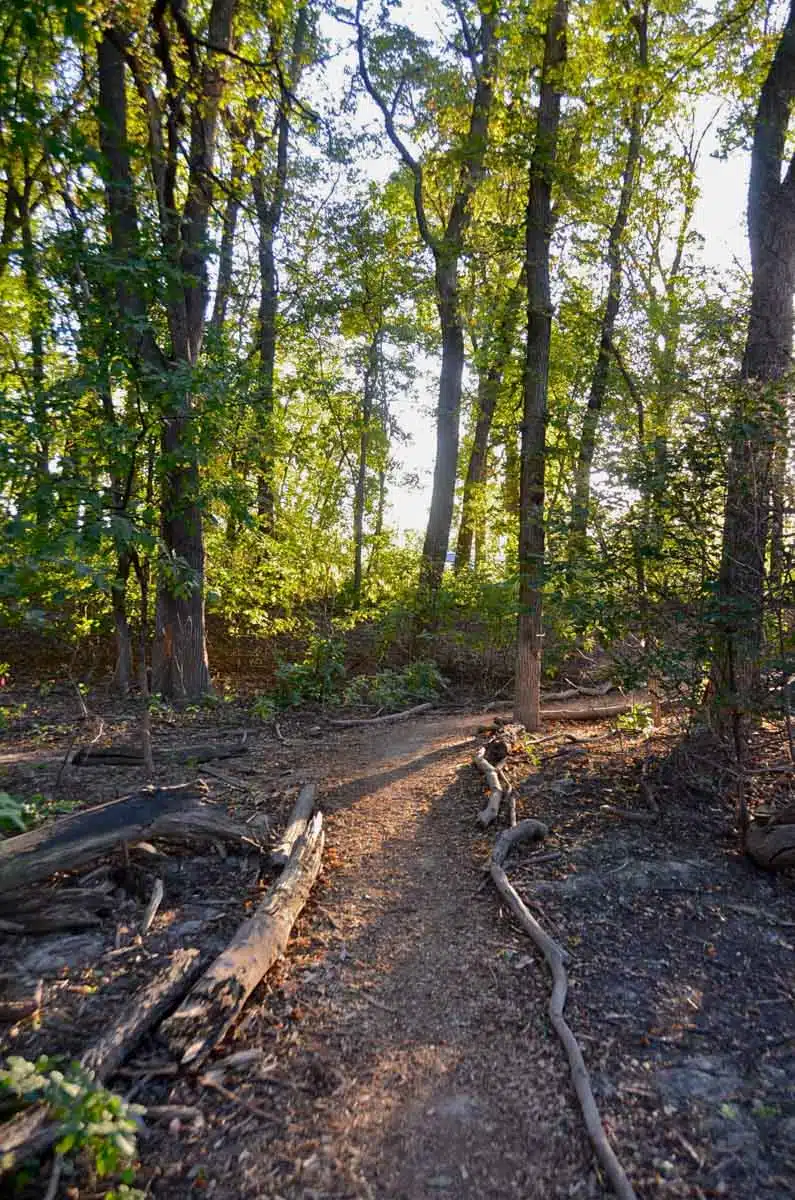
(421, 1054)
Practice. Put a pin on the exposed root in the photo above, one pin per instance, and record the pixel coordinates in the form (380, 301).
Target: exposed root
(555, 958)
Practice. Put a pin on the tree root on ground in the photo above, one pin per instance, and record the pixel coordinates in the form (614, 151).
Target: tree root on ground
(555, 958)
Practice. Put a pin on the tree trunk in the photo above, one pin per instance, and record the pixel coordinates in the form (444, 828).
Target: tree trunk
(539, 328)
(360, 493)
(36, 328)
(123, 671)
(269, 214)
(179, 657)
(447, 247)
(223, 287)
(498, 350)
(440, 517)
(757, 418)
(581, 502)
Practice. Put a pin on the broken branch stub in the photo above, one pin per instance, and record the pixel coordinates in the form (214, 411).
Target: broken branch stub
(216, 1000)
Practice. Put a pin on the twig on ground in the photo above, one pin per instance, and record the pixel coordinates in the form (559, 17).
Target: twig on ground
(208, 1082)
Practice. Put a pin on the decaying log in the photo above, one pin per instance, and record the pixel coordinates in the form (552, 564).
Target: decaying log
(52, 910)
(178, 813)
(145, 1009)
(771, 843)
(132, 756)
(299, 819)
(572, 692)
(30, 1134)
(400, 716)
(215, 1001)
(587, 714)
(555, 959)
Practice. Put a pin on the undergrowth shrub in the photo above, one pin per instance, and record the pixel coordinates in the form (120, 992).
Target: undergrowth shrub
(393, 689)
(91, 1118)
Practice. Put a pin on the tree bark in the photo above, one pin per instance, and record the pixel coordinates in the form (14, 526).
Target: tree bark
(497, 351)
(36, 330)
(223, 288)
(440, 516)
(270, 206)
(360, 493)
(539, 328)
(757, 417)
(581, 502)
(123, 670)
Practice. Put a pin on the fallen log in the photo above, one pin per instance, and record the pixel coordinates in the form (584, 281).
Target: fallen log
(178, 813)
(771, 843)
(147, 1006)
(587, 714)
(215, 1001)
(299, 819)
(399, 716)
(31, 1134)
(132, 756)
(555, 958)
(572, 692)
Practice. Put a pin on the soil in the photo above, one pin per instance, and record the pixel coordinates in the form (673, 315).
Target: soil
(405, 1050)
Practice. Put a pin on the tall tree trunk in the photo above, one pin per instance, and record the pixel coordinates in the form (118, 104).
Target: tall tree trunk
(539, 328)
(36, 328)
(122, 672)
(360, 492)
(757, 418)
(447, 247)
(497, 350)
(440, 517)
(270, 206)
(226, 256)
(581, 502)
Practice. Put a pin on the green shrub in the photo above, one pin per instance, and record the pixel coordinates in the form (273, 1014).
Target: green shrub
(392, 690)
(91, 1118)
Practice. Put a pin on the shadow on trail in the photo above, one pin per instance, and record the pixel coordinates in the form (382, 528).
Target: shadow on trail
(351, 792)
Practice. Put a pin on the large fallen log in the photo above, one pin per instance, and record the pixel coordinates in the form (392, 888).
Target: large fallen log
(178, 813)
(299, 819)
(555, 958)
(571, 693)
(398, 716)
(30, 1133)
(216, 1000)
(132, 756)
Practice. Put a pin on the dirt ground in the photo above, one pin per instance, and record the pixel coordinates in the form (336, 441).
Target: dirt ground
(405, 1046)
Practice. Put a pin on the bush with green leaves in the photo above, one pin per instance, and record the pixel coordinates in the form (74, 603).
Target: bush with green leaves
(15, 815)
(392, 690)
(91, 1118)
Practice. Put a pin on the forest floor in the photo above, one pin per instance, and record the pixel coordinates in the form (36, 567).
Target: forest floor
(405, 1046)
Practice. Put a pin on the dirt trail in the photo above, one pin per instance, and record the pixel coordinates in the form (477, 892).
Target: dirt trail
(421, 1057)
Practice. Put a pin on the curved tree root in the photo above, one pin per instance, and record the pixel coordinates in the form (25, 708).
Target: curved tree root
(555, 958)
